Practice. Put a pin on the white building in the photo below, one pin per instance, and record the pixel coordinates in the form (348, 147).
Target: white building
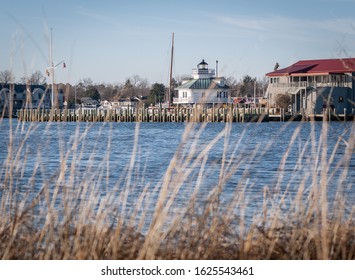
(203, 88)
(314, 85)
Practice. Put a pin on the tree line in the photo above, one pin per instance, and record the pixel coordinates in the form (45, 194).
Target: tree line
(134, 86)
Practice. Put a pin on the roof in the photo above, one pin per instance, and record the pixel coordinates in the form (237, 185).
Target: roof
(23, 87)
(129, 99)
(206, 83)
(317, 67)
(89, 101)
(203, 62)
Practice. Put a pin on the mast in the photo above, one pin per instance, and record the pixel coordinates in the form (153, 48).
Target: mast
(255, 91)
(171, 72)
(51, 67)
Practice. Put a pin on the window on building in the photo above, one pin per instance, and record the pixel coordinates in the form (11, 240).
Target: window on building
(274, 80)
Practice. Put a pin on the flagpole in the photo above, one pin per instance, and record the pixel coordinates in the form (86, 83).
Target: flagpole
(50, 69)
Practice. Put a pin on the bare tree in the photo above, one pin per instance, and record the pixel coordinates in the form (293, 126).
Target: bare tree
(134, 86)
(108, 91)
(234, 86)
(180, 78)
(261, 87)
(126, 90)
(246, 86)
(6, 77)
(87, 82)
(37, 78)
(282, 100)
(140, 85)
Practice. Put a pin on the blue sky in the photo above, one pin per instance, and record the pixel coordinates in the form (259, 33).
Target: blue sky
(109, 41)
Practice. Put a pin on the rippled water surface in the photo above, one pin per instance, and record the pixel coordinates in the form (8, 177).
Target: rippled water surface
(112, 157)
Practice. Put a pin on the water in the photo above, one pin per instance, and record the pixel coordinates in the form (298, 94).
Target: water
(124, 165)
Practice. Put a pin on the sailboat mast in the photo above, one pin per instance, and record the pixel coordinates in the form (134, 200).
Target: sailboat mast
(51, 66)
(171, 72)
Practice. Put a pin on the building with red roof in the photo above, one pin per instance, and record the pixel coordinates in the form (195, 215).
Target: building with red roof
(315, 85)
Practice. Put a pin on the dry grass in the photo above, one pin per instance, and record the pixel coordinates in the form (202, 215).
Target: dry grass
(65, 219)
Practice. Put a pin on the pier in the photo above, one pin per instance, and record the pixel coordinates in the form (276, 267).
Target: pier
(177, 114)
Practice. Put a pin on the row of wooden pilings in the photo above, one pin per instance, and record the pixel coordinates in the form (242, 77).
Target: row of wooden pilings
(229, 114)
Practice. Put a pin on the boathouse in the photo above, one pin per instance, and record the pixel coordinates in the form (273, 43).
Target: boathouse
(315, 85)
(203, 88)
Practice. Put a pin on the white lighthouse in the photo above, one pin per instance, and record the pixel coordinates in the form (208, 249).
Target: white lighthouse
(203, 88)
(202, 71)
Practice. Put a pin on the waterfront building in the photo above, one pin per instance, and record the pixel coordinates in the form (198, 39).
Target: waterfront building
(88, 102)
(131, 102)
(203, 88)
(315, 85)
(24, 96)
(127, 102)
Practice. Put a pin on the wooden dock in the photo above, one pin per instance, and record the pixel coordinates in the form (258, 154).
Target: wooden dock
(230, 114)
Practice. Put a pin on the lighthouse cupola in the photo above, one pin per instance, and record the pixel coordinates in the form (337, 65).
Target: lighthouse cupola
(202, 65)
(202, 71)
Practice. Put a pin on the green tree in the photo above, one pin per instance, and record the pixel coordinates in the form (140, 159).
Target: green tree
(157, 93)
(128, 89)
(92, 92)
(247, 86)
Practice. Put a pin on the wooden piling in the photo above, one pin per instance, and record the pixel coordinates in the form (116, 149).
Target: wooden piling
(178, 114)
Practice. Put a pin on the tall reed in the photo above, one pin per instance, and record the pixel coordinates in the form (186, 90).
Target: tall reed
(77, 213)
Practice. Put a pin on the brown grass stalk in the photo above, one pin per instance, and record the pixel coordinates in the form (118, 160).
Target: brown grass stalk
(69, 218)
